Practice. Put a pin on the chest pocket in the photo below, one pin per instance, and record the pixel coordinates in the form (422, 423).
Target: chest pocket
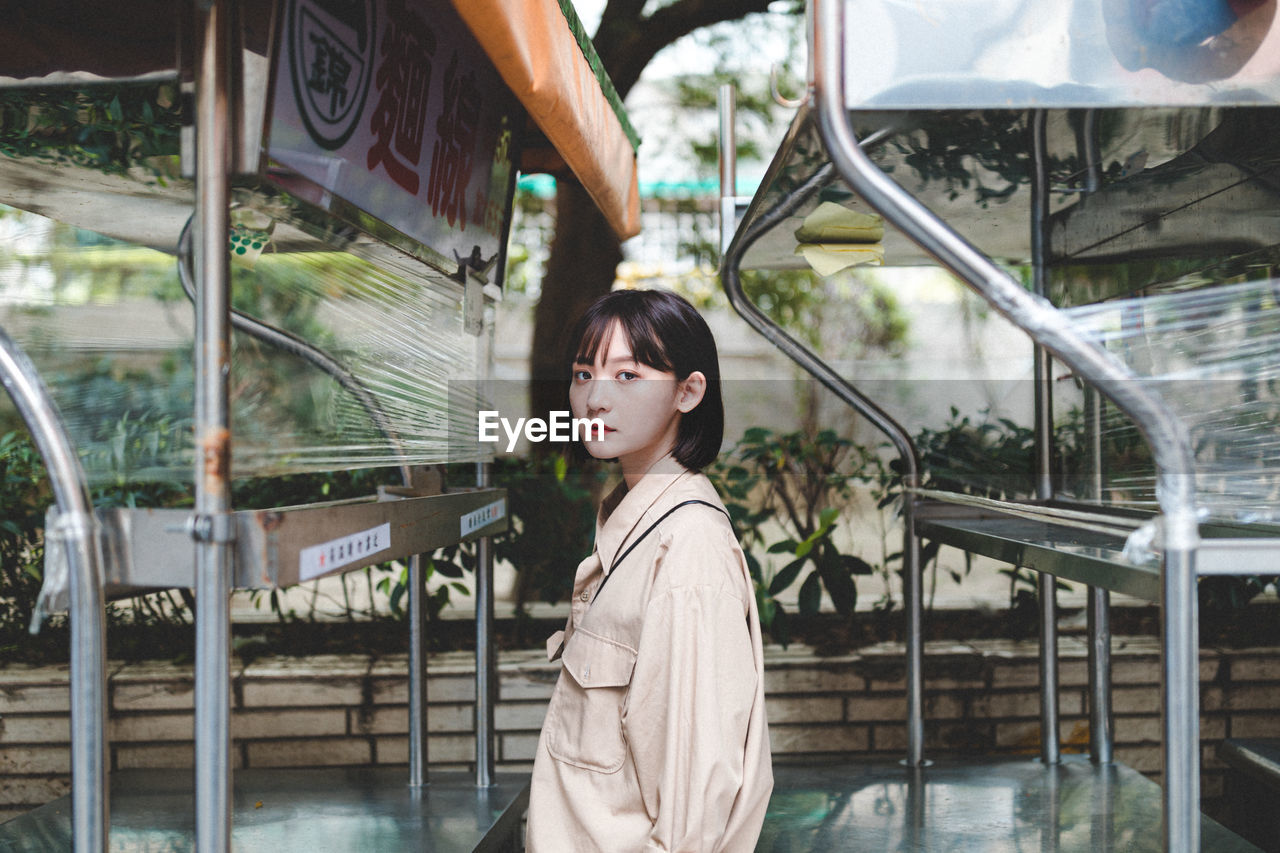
(584, 720)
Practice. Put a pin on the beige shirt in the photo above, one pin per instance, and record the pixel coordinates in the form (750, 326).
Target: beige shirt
(655, 738)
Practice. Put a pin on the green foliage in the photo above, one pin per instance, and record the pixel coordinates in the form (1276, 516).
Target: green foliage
(110, 128)
(552, 506)
(994, 459)
(801, 483)
(24, 494)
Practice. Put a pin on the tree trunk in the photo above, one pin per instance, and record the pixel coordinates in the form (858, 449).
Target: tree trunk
(583, 261)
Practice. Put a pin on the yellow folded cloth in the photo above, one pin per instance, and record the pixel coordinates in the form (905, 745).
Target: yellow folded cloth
(831, 223)
(829, 258)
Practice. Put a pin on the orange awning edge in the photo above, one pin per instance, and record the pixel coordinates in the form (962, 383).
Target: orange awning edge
(537, 56)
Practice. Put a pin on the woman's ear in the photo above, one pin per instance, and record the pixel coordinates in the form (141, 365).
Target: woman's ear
(690, 392)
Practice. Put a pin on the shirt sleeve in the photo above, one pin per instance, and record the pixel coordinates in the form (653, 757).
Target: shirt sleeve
(690, 700)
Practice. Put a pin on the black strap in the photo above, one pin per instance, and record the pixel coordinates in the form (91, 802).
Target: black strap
(649, 530)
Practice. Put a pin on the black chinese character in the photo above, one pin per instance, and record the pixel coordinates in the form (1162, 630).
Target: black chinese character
(329, 72)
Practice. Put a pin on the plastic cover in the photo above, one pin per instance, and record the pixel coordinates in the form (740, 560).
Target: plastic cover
(110, 330)
(1211, 353)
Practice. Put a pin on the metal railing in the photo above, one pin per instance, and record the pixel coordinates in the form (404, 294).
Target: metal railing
(1166, 435)
(78, 533)
(912, 586)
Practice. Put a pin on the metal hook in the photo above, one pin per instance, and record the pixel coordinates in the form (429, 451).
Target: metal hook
(778, 97)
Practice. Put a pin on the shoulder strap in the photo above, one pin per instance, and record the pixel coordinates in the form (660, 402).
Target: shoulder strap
(647, 531)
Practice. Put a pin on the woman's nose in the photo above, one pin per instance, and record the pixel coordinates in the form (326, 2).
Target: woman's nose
(598, 396)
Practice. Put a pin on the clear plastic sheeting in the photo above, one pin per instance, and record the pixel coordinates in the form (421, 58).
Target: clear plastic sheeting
(1214, 355)
(110, 329)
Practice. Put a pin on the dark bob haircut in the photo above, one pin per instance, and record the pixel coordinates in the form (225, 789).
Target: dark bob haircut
(666, 333)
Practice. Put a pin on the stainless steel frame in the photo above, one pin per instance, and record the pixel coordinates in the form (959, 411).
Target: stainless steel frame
(486, 651)
(213, 548)
(151, 548)
(1098, 615)
(212, 529)
(1167, 437)
(913, 588)
(417, 673)
(1046, 585)
(78, 532)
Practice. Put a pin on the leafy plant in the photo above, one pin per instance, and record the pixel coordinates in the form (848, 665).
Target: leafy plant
(553, 512)
(991, 458)
(802, 483)
(24, 494)
(110, 128)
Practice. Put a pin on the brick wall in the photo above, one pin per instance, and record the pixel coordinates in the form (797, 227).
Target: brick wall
(980, 698)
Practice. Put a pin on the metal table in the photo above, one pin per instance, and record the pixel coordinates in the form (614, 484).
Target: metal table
(311, 810)
(972, 805)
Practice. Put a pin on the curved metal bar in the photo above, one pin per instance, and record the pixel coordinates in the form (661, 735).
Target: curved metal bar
(294, 345)
(291, 343)
(801, 355)
(79, 530)
(1168, 438)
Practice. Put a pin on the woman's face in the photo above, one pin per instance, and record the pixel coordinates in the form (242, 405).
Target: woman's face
(639, 405)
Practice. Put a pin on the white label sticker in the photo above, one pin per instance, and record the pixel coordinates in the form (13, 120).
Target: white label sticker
(474, 520)
(336, 553)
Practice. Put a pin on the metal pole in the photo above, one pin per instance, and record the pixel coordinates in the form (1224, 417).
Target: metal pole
(1180, 661)
(417, 672)
(78, 528)
(1050, 750)
(1101, 720)
(726, 101)
(1167, 436)
(211, 524)
(486, 669)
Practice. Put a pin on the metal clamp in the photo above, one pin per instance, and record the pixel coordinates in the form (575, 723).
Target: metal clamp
(212, 528)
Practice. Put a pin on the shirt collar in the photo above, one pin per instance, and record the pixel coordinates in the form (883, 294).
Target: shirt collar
(621, 512)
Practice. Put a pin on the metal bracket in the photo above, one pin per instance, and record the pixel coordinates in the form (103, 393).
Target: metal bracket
(212, 528)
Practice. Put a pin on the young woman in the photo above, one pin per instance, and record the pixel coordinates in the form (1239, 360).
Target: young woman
(655, 738)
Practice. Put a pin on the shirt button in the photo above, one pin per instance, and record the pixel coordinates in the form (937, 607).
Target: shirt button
(585, 596)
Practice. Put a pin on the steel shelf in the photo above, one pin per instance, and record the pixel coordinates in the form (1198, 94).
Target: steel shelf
(297, 810)
(1069, 553)
(151, 548)
(1090, 557)
(985, 804)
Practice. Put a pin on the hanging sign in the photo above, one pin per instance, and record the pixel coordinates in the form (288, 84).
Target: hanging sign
(392, 106)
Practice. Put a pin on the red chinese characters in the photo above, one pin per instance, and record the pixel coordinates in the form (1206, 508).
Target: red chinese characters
(454, 150)
(403, 80)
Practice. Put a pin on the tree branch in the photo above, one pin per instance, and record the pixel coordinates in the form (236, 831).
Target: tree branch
(627, 41)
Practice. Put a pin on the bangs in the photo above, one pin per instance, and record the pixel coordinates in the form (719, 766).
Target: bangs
(639, 328)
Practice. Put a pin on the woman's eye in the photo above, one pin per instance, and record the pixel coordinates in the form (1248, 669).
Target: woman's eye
(581, 375)
(627, 376)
